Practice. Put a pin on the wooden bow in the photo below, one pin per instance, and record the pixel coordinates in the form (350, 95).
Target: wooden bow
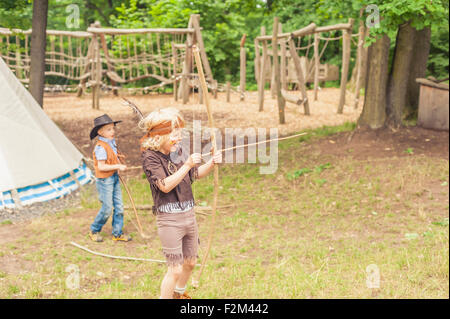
(139, 227)
(195, 282)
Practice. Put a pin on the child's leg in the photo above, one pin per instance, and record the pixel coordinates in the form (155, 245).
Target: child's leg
(169, 281)
(117, 220)
(190, 249)
(105, 188)
(170, 231)
(188, 267)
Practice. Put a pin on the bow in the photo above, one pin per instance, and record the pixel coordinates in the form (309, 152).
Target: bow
(138, 112)
(204, 87)
(139, 227)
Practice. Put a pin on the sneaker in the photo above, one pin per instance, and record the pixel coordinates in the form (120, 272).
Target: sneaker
(122, 237)
(177, 295)
(95, 237)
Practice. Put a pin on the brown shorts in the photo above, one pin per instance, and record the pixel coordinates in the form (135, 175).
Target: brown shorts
(179, 236)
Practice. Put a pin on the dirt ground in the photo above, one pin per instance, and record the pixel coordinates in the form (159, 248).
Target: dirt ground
(365, 143)
(75, 117)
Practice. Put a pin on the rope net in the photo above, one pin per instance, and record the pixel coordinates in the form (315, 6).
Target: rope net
(124, 58)
(133, 57)
(66, 54)
(304, 47)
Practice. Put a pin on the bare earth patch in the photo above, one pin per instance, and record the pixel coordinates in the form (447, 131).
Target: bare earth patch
(75, 115)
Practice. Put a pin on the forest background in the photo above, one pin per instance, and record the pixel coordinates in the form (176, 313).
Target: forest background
(225, 21)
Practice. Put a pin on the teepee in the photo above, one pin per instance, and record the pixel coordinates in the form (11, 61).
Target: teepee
(37, 161)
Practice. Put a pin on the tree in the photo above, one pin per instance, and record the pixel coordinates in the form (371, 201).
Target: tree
(38, 42)
(406, 19)
(374, 110)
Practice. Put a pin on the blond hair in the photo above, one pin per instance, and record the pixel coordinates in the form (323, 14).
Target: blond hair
(168, 114)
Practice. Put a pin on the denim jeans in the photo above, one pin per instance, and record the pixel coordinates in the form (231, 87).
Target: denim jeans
(110, 195)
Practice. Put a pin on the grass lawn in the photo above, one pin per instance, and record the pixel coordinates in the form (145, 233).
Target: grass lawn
(310, 230)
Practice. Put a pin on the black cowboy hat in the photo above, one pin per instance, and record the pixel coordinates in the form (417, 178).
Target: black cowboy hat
(99, 122)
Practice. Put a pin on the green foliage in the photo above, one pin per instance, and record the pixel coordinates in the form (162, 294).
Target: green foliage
(410, 150)
(421, 13)
(438, 59)
(225, 21)
(298, 173)
(443, 223)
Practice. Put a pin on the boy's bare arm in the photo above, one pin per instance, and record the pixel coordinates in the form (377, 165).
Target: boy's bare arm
(102, 166)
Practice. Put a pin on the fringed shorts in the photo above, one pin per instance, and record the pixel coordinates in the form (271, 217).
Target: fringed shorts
(178, 233)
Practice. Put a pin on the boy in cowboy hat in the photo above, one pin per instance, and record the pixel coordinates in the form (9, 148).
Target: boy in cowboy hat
(107, 163)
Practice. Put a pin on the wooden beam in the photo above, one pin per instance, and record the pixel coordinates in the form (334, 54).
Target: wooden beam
(298, 33)
(340, 26)
(300, 78)
(110, 31)
(291, 98)
(305, 31)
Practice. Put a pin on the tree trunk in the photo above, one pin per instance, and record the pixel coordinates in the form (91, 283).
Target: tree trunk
(418, 69)
(374, 109)
(38, 42)
(398, 79)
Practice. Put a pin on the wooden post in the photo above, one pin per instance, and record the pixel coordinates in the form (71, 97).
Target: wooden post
(276, 68)
(299, 73)
(316, 65)
(187, 66)
(86, 68)
(228, 91)
(257, 61)
(96, 70)
(199, 42)
(200, 93)
(243, 71)
(262, 73)
(105, 51)
(215, 89)
(283, 68)
(359, 59)
(98, 75)
(175, 63)
(18, 59)
(346, 41)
